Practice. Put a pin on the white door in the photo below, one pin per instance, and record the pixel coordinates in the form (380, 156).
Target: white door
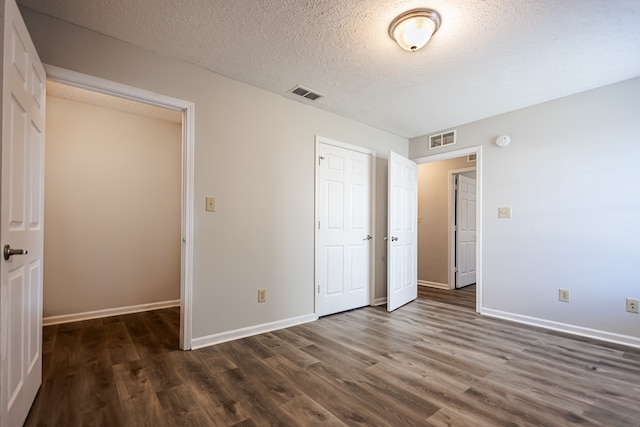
(344, 229)
(21, 213)
(402, 231)
(465, 231)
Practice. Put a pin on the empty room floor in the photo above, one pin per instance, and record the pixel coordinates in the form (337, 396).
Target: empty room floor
(433, 362)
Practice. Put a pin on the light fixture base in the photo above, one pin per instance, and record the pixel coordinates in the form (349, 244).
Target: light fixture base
(412, 39)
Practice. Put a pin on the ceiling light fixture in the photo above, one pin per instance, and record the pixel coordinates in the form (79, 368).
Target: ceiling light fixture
(413, 29)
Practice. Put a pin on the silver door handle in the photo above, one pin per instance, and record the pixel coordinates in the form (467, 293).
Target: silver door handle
(368, 237)
(8, 252)
(394, 239)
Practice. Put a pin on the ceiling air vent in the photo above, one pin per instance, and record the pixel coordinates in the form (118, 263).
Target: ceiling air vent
(306, 93)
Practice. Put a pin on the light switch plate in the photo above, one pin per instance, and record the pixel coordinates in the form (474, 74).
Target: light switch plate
(211, 204)
(504, 212)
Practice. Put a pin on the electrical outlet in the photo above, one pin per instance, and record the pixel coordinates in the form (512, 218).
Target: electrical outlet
(504, 212)
(211, 204)
(262, 295)
(563, 295)
(632, 305)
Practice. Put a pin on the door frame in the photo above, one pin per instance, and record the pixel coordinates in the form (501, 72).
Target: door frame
(451, 244)
(372, 212)
(108, 87)
(477, 150)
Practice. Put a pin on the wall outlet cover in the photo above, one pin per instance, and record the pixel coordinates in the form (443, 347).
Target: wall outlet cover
(632, 305)
(563, 295)
(504, 212)
(210, 204)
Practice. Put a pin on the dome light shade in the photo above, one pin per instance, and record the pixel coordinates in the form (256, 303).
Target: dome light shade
(413, 29)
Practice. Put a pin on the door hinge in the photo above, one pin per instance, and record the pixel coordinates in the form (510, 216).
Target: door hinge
(318, 288)
(318, 225)
(320, 159)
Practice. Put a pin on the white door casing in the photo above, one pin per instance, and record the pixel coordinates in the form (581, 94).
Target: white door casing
(465, 231)
(73, 78)
(402, 232)
(21, 216)
(344, 228)
(477, 150)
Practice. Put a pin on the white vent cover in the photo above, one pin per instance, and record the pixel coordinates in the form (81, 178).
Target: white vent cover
(442, 139)
(306, 93)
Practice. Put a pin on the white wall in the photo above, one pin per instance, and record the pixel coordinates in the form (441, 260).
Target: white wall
(254, 152)
(571, 175)
(112, 209)
(433, 209)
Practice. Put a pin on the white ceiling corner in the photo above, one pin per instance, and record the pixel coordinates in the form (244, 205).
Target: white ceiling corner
(487, 57)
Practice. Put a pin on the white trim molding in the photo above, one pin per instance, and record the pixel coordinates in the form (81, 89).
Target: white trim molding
(564, 327)
(108, 312)
(108, 87)
(346, 146)
(436, 285)
(250, 331)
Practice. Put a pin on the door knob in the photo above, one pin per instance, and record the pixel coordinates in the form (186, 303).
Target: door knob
(368, 237)
(8, 252)
(394, 239)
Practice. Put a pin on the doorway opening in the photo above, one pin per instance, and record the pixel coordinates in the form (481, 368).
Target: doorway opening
(182, 192)
(447, 278)
(462, 235)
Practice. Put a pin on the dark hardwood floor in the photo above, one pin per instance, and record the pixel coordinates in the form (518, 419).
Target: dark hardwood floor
(433, 362)
(463, 297)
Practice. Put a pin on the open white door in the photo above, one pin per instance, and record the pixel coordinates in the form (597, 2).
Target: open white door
(465, 231)
(21, 215)
(344, 228)
(402, 230)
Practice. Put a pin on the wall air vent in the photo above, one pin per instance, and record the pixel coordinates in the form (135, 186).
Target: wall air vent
(306, 93)
(442, 139)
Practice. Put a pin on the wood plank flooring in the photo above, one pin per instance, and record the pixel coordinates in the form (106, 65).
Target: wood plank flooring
(433, 362)
(463, 297)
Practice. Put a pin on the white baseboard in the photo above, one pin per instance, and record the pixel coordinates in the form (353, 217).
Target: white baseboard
(564, 327)
(108, 312)
(250, 330)
(433, 284)
(379, 301)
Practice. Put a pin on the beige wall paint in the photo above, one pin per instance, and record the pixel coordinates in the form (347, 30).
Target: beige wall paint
(433, 209)
(112, 209)
(254, 152)
(570, 176)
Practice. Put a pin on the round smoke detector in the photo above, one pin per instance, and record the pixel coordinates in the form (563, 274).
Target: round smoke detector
(503, 140)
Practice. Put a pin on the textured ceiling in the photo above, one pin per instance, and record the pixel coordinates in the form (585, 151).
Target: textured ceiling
(72, 93)
(488, 57)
